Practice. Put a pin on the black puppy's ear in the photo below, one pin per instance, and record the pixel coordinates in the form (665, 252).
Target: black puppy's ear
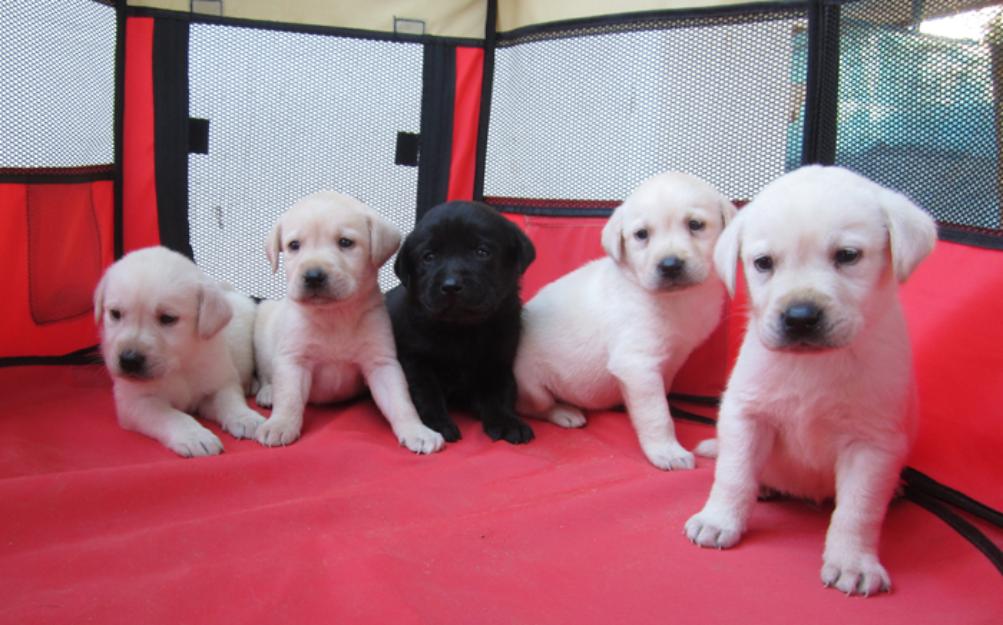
(403, 267)
(525, 252)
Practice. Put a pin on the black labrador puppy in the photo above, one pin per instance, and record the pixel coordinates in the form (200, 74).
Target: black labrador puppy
(457, 317)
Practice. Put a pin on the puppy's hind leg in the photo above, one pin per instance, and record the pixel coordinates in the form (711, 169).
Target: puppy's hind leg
(535, 401)
(177, 431)
(229, 408)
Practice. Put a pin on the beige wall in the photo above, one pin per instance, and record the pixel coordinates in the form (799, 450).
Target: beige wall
(514, 14)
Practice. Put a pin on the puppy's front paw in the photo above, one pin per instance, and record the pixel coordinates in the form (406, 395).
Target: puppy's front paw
(512, 430)
(194, 441)
(446, 427)
(669, 456)
(707, 529)
(566, 416)
(264, 396)
(420, 439)
(855, 574)
(274, 432)
(243, 425)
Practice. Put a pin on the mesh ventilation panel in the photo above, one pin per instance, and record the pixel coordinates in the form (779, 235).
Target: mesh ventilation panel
(587, 113)
(916, 111)
(290, 114)
(57, 87)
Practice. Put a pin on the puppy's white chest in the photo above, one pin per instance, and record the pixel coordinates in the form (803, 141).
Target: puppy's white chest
(335, 381)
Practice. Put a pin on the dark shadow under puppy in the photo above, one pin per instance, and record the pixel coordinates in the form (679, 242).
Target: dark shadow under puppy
(457, 317)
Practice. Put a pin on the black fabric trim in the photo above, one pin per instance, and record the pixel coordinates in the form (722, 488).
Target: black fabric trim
(57, 175)
(86, 356)
(198, 135)
(923, 483)
(818, 144)
(968, 531)
(538, 211)
(686, 415)
(118, 232)
(487, 86)
(971, 235)
(696, 400)
(623, 21)
(435, 150)
(308, 29)
(170, 106)
(406, 149)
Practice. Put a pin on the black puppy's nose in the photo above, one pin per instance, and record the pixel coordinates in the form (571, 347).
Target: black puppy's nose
(314, 278)
(671, 267)
(131, 361)
(451, 285)
(801, 318)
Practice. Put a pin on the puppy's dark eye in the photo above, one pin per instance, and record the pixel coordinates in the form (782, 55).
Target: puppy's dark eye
(293, 245)
(428, 257)
(763, 263)
(483, 252)
(167, 320)
(641, 235)
(345, 244)
(115, 314)
(847, 256)
(696, 225)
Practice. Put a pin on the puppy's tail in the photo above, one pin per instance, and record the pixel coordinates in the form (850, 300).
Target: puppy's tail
(707, 448)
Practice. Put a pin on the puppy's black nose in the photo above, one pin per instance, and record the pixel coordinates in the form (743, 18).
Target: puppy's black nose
(451, 285)
(131, 361)
(801, 319)
(314, 278)
(671, 267)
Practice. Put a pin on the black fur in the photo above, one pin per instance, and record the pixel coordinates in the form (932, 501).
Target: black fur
(457, 317)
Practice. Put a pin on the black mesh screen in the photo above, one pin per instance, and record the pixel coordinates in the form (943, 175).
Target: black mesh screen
(916, 111)
(289, 114)
(57, 87)
(588, 112)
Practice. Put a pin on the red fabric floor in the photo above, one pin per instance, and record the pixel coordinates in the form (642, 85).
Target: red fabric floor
(100, 525)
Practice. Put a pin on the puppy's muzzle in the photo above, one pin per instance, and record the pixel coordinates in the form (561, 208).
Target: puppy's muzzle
(314, 279)
(132, 363)
(802, 322)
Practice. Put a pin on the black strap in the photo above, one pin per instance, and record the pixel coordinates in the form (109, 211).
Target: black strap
(86, 356)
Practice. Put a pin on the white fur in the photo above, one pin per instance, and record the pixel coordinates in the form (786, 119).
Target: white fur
(612, 332)
(837, 419)
(326, 346)
(197, 364)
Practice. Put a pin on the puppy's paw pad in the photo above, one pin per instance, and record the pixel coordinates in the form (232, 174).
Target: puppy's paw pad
(670, 457)
(710, 530)
(264, 396)
(510, 430)
(195, 442)
(566, 416)
(244, 425)
(421, 439)
(856, 574)
(275, 432)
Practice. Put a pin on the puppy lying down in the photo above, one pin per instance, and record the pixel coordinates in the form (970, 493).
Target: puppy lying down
(619, 328)
(821, 402)
(331, 337)
(176, 343)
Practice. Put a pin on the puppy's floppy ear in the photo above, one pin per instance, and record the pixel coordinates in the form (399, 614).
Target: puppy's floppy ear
(525, 252)
(912, 233)
(99, 299)
(384, 239)
(402, 265)
(726, 252)
(273, 245)
(214, 311)
(612, 234)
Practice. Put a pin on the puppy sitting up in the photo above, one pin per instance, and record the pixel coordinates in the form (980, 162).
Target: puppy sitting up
(176, 343)
(331, 335)
(619, 328)
(821, 402)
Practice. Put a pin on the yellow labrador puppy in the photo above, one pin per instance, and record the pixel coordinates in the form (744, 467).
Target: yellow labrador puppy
(331, 335)
(821, 402)
(176, 343)
(619, 328)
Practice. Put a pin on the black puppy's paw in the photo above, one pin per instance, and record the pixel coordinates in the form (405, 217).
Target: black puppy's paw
(512, 430)
(446, 427)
